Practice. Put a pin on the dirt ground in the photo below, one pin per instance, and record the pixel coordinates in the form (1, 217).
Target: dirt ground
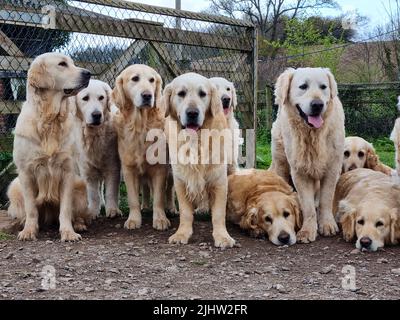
(113, 263)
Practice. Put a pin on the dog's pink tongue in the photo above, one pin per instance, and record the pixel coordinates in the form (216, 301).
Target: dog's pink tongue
(317, 122)
(226, 111)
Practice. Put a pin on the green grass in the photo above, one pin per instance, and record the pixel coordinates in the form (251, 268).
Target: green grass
(5, 236)
(384, 148)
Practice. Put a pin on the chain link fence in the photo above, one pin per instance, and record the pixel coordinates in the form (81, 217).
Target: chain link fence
(105, 36)
(370, 109)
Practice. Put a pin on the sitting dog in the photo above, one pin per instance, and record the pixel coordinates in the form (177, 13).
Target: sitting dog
(359, 153)
(367, 207)
(97, 147)
(43, 148)
(262, 203)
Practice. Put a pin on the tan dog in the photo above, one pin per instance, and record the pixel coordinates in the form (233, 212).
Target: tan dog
(137, 94)
(96, 141)
(359, 153)
(395, 137)
(261, 202)
(194, 105)
(366, 205)
(308, 144)
(43, 146)
(227, 92)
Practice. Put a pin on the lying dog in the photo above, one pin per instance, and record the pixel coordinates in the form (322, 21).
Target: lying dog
(359, 153)
(43, 148)
(193, 105)
(137, 94)
(308, 144)
(366, 206)
(96, 142)
(228, 96)
(262, 203)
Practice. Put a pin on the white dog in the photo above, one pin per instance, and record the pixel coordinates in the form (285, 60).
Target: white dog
(96, 141)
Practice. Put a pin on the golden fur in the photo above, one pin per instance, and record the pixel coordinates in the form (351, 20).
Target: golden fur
(198, 184)
(359, 153)
(310, 156)
(395, 137)
(366, 205)
(132, 123)
(43, 147)
(261, 202)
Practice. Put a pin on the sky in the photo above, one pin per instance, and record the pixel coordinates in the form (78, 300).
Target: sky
(374, 10)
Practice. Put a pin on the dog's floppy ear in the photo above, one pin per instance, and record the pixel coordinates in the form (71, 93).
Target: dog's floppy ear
(297, 211)
(249, 222)
(166, 99)
(118, 95)
(234, 97)
(371, 158)
(158, 94)
(347, 219)
(394, 227)
(108, 92)
(282, 86)
(216, 103)
(39, 78)
(332, 83)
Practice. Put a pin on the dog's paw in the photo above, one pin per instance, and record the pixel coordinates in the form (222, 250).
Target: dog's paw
(328, 228)
(161, 223)
(80, 226)
(70, 236)
(113, 213)
(133, 223)
(28, 234)
(306, 235)
(223, 240)
(179, 238)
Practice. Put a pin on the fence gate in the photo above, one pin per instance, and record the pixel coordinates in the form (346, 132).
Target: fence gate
(105, 36)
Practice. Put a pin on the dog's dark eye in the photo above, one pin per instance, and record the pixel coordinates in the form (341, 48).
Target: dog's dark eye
(202, 94)
(151, 80)
(304, 86)
(323, 87)
(361, 222)
(268, 219)
(379, 224)
(63, 64)
(347, 154)
(361, 154)
(101, 98)
(228, 89)
(182, 94)
(135, 78)
(286, 214)
(85, 98)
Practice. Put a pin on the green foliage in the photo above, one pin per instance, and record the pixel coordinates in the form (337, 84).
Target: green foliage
(5, 159)
(5, 236)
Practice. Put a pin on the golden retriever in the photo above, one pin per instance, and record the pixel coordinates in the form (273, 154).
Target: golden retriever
(359, 153)
(308, 144)
(262, 203)
(227, 92)
(43, 147)
(194, 107)
(395, 137)
(97, 149)
(366, 206)
(137, 94)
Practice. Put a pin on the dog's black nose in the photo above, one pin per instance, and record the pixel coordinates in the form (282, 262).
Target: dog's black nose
(192, 114)
(316, 107)
(284, 237)
(96, 116)
(226, 101)
(86, 74)
(146, 96)
(352, 167)
(365, 242)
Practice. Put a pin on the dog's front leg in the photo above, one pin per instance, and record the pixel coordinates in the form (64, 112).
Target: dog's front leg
(218, 198)
(66, 195)
(185, 230)
(112, 182)
(94, 199)
(31, 226)
(132, 187)
(160, 221)
(326, 221)
(305, 187)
